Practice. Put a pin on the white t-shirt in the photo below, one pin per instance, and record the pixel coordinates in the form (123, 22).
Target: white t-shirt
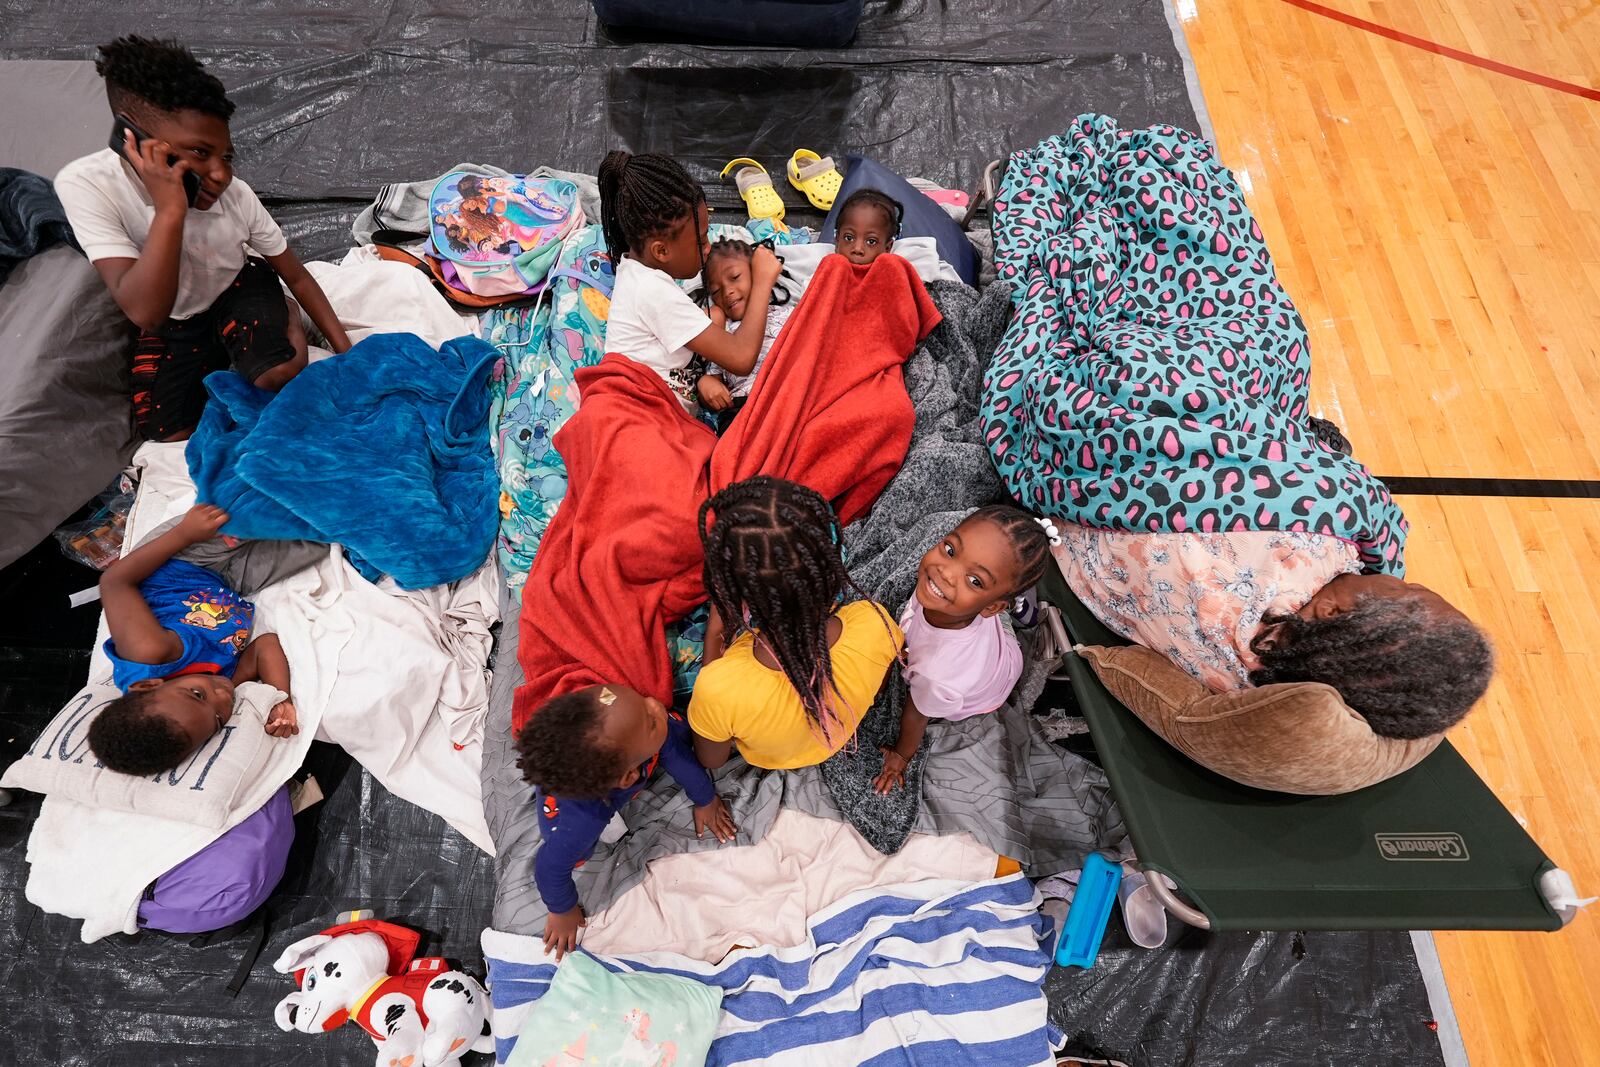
(652, 321)
(111, 211)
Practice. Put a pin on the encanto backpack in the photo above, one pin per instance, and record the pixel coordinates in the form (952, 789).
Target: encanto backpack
(491, 239)
(499, 236)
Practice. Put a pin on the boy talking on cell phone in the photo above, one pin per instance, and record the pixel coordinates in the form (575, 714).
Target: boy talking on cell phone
(187, 250)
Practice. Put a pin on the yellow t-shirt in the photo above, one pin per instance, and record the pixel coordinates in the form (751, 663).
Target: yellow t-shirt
(739, 697)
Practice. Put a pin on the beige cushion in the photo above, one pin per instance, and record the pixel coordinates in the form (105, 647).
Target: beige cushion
(208, 789)
(1293, 737)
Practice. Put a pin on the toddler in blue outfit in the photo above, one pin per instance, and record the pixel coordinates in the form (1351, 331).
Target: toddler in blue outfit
(587, 754)
(180, 640)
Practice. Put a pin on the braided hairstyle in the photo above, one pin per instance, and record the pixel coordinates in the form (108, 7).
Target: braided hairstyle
(773, 565)
(142, 74)
(1028, 540)
(641, 196)
(729, 247)
(894, 212)
(559, 749)
(1409, 670)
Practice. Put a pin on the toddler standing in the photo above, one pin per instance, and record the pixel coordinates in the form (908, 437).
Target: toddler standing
(587, 754)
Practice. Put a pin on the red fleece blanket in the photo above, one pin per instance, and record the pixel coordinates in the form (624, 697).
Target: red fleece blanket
(621, 558)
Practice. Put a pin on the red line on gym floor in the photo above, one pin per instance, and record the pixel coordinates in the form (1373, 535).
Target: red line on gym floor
(1445, 50)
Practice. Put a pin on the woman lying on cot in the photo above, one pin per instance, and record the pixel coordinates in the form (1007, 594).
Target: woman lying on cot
(1257, 607)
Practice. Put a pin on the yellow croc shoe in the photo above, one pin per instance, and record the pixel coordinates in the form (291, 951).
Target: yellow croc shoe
(755, 187)
(815, 176)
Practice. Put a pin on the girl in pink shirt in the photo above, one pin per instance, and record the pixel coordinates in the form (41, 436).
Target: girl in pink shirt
(961, 656)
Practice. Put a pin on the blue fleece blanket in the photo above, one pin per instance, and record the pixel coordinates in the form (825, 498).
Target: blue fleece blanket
(1155, 374)
(384, 450)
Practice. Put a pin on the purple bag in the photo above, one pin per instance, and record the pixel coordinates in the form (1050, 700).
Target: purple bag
(228, 879)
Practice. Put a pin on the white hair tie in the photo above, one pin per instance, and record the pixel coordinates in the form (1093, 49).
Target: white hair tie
(1051, 534)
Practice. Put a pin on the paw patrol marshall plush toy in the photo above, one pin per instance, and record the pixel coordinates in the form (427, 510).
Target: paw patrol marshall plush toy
(420, 1013)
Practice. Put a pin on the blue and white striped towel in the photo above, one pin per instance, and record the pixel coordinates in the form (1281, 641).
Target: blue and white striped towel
(927, 973)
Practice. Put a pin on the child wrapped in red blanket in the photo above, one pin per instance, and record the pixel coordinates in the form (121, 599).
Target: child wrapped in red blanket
(621, 559)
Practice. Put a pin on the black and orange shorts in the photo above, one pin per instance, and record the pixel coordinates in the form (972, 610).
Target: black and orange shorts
(246, 329)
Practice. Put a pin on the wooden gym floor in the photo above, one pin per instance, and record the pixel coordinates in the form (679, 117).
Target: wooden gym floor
(1436, 223)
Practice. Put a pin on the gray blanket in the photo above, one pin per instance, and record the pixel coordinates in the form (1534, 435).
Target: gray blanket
(997, 776)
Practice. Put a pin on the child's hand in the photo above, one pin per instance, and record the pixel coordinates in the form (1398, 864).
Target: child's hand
(202, 523)
(561, 931)
(713, 393)
(716, 818)
(893, 775)
(282, 721)
(765, 267)
(163, 180)
(717, 316)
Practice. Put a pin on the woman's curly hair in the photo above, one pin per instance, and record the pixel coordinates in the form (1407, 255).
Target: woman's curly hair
(1410, 671)
(163, 75)
(559, 749)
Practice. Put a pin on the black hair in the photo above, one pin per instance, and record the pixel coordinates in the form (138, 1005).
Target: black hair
(732, 246)
(773, 564)
(145, 74)
(130, 738)
(1410, 671)
(641, 196)
(559, 749)
(1028, 540)
(894, 212)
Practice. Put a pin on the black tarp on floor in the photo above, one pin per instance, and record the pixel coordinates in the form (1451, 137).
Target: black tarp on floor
(339, 97)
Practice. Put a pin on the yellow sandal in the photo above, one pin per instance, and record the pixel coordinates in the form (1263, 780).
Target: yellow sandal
(755, 188)
(815, 176)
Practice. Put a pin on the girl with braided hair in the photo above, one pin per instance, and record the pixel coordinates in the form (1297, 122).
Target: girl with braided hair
(729, 276)
(654, 218)
(803, 667)
(962, 659)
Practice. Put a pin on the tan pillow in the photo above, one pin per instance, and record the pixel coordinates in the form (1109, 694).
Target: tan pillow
(1293, 737)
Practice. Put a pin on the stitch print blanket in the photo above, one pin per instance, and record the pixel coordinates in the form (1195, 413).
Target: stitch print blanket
(1155, 375)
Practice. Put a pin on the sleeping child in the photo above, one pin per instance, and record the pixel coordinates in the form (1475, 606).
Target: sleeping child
(868, 223)
(728, 276)
(587, 754)
(655, 219)
(961, 657)
(180, 641)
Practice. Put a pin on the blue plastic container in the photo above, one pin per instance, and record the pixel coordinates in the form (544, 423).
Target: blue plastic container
(1090, 912)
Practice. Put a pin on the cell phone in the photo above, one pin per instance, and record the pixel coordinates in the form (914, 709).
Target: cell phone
(119, 132)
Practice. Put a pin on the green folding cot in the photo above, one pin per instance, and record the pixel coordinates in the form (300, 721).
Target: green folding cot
(1431, 849)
